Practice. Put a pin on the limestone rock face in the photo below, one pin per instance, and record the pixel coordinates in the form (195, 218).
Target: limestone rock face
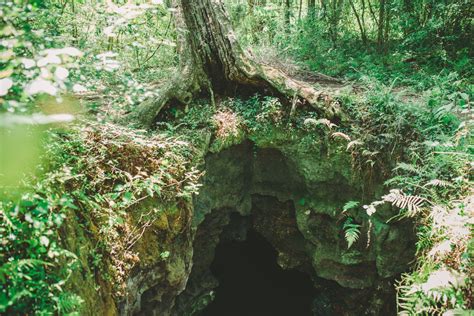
(293, 195)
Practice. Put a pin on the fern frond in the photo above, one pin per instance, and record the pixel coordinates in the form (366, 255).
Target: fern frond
(340, 135)
(351, 232)
(23, 263)
(323, 121)
(407, 167)
(438, 183)
(68, 303)
(354, 143)
(349, 205)
(369, 153)
(399, 199)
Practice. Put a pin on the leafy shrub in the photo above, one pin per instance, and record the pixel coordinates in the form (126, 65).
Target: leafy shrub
(34, 266)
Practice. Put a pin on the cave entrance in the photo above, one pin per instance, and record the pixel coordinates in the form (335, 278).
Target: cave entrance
(252, 283)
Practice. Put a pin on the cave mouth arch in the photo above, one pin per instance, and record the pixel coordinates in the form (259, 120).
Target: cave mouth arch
(292, 200)
(252, 283)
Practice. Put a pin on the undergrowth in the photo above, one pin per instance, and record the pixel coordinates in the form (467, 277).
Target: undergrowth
(98, 172)
(114, 170)
(430, 142)
(420, 145)
(408, 122)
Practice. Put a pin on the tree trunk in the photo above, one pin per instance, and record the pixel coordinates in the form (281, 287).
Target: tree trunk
(362, 18)
(386, 39)
(336, 8)
(251, 5)
(372, 13)
(359, 22)
(300, 9)
(311, 9)
(214, 62)
(381, 25)
(409, 16)
(287, 13)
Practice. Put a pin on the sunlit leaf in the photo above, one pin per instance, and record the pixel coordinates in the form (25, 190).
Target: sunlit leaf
(5, 85)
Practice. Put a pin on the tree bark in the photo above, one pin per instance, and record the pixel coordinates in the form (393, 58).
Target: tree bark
(214, 62)
(381, 26)
(387, 25)
(287, 13)
(311, 9)
(359, 22)
(250, 5)
(300, 10)
(336, 8)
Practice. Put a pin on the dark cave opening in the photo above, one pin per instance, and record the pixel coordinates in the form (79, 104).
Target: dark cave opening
(252, 283)
(260, 192)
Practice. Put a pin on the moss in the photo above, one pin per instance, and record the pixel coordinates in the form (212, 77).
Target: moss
(306, 170)
(88, 279)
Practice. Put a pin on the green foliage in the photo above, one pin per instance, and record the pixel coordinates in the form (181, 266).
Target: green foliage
(231, 120)
(342, 38)
(34, 266)
(102, 174)
(261, 27)
(428, 139)
(128, 50)
(350, 205)
(112, 171)
(351, 231)
(31, 65)
(432, 175)
(409, 120)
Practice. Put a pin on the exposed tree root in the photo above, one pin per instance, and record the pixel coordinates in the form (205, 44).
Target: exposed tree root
(182, 87)
(300, 91)
(186, 84)
(214, 62)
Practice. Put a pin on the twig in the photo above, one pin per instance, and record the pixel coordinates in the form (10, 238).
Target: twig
(156, 49)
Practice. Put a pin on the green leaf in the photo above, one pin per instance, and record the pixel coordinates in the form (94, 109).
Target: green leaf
(350, 205)
(127, 197)
(351, 232)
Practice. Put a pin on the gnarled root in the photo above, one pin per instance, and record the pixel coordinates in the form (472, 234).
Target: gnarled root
(181, 87)
(191, 81)
(212, 58)
(300, 91)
